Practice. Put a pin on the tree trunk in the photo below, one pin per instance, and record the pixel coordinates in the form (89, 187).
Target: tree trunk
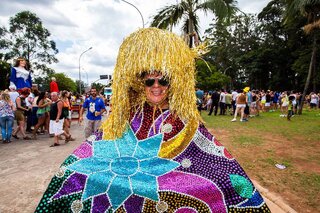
(312, 64)
(314, 76)
(190, 31)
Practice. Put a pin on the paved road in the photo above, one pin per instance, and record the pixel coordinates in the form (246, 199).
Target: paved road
(26, 168)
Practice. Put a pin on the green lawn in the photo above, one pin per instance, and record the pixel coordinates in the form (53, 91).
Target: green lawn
(270, 139)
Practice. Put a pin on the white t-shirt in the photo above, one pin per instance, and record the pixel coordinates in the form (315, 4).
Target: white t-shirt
(234, 95)
(29, 100)
(13, 96)
(314, 99)
(223, 97)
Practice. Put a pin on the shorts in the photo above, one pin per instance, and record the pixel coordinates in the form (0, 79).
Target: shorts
(313, 105)
(267, 104)
(91, 127)
(253, 105)
(263, 101)
(41, 115)
(56, 128)
(19, 115)
(241, 105)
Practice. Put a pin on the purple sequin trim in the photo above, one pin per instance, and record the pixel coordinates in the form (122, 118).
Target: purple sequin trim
(134, 204)
(215, 168)
(100, 203)
(186, 210)
(74, 183)
(136, 122)
(98, 135)
(195, 186)
(83, 151)
(205, 132)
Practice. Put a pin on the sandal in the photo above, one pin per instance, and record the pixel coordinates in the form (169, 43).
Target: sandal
(27, 138)
(15, 136)
(69, 139)
(55, 144)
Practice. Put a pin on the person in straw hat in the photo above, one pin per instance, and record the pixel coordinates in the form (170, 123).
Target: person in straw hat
(153, 154)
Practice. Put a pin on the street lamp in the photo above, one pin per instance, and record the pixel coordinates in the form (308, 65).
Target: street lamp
(79, 68)
(137, 10)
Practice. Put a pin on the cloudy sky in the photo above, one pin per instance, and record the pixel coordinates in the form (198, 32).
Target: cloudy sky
(76, 25)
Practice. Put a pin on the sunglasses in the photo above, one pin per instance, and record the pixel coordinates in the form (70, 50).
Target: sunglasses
(162, 81)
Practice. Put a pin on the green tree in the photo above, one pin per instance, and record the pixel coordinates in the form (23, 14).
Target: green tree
(4, 44)
(210, 79)
(30, 39)
(186, 10)
(311, 10)
(98, 86)
(230, 43)
(4, 75)
(64, 82)
(78, 87)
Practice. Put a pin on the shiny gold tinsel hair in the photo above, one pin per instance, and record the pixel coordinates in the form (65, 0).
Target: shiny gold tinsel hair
(147, 51)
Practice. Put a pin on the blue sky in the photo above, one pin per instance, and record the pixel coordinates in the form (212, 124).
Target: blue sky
(76, 25)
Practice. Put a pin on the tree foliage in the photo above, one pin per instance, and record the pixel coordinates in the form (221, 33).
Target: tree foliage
(63, 81)
(4, 75)
(209, 79)
(98, 86)
(264, 51)
(310, 9)
(186, 11)
(82, 86)
(30, 39)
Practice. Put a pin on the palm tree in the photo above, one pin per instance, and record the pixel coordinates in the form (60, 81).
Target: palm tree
(186, 10)
(311, 10)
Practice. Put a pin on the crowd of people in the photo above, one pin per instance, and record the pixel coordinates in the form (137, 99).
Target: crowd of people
(249, 103)
(33, 110)
(39, 112)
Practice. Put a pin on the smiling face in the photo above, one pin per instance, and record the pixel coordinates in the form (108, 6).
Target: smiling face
(158, 91)
(22, 63)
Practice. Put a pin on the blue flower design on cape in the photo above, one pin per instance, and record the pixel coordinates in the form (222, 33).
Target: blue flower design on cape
(122, 167)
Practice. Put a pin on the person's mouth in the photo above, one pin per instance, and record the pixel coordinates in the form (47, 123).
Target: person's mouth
(156, 93)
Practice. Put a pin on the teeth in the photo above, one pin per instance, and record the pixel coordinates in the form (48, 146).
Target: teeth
(156, 93)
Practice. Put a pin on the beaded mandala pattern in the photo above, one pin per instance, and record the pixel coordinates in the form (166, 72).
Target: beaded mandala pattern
(139, 173)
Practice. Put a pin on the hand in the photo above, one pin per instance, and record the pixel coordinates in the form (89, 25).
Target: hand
(57, 120)
(80, 119)
(96, 113)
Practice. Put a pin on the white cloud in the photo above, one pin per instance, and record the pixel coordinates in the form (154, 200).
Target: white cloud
(77, 25)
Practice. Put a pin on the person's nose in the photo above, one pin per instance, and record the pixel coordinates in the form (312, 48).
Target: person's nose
(156, 83)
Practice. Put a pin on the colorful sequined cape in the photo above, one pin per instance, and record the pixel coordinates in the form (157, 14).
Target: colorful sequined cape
(160, 164)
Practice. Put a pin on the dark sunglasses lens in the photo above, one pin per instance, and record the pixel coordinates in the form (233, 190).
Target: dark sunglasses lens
(163, 82)
(149, 82)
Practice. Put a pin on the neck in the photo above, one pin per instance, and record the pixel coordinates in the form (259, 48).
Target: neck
(163, 104)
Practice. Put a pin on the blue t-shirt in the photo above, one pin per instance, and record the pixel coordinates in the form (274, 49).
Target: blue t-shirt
(93, 105)
(249, 97)
(199, 94)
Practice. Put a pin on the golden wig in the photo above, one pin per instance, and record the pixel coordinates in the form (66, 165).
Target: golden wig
(147, 51)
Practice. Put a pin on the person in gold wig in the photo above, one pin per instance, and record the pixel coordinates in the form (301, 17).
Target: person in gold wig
(153, 153)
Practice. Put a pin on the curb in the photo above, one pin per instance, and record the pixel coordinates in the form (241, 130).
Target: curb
(276, 200)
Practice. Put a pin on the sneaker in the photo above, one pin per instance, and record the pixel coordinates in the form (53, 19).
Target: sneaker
(243, 120)
(233, 120)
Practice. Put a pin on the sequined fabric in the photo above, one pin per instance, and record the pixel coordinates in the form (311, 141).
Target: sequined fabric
(179, 167)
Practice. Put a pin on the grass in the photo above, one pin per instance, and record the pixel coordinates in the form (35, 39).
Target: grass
(270, 139)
